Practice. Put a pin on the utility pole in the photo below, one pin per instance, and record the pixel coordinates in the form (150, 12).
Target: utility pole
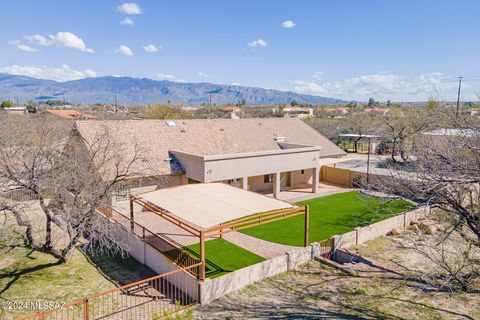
(210, 105)
(458, 96)
(63, 93)
(116, 104)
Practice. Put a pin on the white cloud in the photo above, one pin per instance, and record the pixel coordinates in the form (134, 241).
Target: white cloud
(169, 77)
(124, 50)
(127, 21)
(22, 47)
(64, 73)
(288, 24)
(257, 43)
(70, 40)
(164, 76)
(381, 86)
(203, 75)
(130, 8)
(61, 39)
(27, 48)
(38, 39)
(317, 75)
(152, 48)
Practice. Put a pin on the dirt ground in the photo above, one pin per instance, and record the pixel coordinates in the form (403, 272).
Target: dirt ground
(388, 289)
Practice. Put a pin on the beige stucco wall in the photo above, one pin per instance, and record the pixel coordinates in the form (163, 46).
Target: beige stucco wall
(339, 176)
(156, 261)
(224, 167)
(213, 289)
(299, 178)
(381, 228)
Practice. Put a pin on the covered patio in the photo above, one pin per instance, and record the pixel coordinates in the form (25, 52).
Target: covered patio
(197, 212)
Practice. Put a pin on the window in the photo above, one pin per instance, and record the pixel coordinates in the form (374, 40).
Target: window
(268, 178)
(302, 172)
(122, 193)
(234, 182)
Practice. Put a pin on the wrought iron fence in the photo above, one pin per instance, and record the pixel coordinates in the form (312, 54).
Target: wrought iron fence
(155, 297)
(164, 245)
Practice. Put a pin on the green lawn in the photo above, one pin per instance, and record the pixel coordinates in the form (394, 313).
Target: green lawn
(223, 257)
(330, 215)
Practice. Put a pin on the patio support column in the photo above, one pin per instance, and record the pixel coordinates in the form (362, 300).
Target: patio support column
(276, 184)
(315, 179)
(245, 183)
(132, 218)
(202, 255)
(307, 223)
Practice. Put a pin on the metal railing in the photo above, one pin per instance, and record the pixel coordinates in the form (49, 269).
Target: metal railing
(155, 297)
(164, 245)
(326, 248)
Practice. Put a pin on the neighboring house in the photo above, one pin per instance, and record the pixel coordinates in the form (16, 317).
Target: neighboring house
(297, 112)
(71, 114)
(17, 110)
(334, 112)
(263, 155)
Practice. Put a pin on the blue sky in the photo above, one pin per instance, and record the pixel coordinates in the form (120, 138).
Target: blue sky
(350, 49)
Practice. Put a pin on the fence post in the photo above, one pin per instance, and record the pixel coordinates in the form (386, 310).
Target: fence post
(202, 255)
(85, 309)
(357, 232)
(335, 243)
(306, 226)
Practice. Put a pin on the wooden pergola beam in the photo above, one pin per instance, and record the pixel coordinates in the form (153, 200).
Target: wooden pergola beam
(253, 221)
(167, 215)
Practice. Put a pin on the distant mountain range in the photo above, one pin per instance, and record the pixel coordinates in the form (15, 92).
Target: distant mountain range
(135, 91)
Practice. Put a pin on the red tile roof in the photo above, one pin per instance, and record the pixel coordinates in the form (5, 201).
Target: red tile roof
(71, 114)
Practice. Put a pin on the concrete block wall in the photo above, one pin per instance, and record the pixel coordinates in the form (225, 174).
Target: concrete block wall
(212, 289)
(381, 228)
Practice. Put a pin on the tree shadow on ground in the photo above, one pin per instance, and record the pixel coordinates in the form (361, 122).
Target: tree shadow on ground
(321, 299)
(19, 272)
(119, 270)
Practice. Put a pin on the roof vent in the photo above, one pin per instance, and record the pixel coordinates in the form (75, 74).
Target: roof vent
(171, 123)
(221, 129)
(182, 131)
(280, 139)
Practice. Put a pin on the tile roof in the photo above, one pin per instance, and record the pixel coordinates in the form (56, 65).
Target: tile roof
(204, 137)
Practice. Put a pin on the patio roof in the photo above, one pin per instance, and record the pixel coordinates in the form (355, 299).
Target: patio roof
(207, 205)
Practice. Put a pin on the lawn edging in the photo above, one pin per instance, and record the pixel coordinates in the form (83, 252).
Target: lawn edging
(212, 289)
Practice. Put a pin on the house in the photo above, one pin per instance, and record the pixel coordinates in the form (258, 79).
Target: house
(70, 114)
(334, 112)
(297, 112)
(19, 110)
(265, 155)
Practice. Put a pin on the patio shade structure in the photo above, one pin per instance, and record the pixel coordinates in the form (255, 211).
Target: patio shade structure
(214, 209)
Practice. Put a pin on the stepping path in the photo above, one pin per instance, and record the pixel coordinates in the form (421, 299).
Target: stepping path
(262, 248)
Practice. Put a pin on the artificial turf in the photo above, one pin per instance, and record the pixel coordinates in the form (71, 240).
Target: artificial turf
(223, 257)
(330, 215)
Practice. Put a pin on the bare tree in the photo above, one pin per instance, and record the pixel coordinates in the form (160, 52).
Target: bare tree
(402, 126)
(445, 173)
(327, 128)
(69, 177)
(361, 123)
